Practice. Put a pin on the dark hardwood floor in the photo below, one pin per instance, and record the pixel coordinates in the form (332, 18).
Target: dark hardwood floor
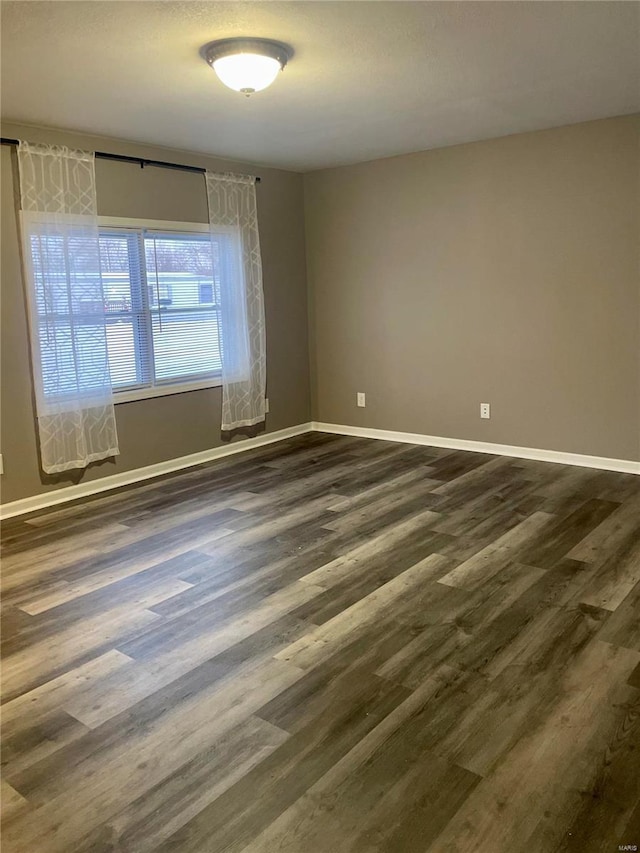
(327, 645)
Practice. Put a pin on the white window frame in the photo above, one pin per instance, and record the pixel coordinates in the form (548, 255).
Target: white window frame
(169, 389)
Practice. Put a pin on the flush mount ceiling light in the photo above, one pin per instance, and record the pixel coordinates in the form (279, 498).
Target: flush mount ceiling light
(247, 65)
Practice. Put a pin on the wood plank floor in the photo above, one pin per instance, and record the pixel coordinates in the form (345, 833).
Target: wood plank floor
(327, 645)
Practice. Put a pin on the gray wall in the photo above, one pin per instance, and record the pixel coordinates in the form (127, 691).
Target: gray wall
(165, 427)
(503, 271)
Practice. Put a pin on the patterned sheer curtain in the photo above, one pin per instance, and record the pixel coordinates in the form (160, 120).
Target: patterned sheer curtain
(233, 220)
(68, 329)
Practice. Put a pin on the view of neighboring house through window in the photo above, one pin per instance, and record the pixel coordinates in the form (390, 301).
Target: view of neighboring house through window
(162, 303)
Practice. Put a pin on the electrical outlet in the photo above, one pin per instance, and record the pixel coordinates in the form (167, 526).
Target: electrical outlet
(266, 405)
(1, 464)
(485, 410)
(360, 399)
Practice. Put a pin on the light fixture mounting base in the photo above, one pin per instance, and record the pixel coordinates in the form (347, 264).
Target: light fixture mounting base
(264, 47)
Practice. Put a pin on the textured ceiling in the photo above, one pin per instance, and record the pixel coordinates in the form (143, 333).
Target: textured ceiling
(368, 79)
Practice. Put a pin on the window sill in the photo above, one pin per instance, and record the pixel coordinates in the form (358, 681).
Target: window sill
(164, 390)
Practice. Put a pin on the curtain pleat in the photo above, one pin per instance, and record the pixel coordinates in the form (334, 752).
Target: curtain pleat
(67, 322)
(233, 222)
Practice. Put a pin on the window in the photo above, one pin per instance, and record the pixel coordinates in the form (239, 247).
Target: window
(162, 301)
(67, 316)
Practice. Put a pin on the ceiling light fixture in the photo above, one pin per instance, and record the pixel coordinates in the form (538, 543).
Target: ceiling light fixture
(247, 65)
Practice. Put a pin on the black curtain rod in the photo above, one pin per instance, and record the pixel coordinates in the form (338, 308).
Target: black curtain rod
(141, 161)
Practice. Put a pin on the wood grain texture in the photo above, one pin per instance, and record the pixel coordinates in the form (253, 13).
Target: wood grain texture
(328, 645)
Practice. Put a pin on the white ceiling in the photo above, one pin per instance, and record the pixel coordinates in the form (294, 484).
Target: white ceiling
(368, 79)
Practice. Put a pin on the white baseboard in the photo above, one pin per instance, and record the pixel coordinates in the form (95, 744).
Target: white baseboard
(625, 466)
(126, 478)
(114, 481)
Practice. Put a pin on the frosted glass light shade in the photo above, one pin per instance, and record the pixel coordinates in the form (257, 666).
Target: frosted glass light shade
(246, 65)
(247, 72)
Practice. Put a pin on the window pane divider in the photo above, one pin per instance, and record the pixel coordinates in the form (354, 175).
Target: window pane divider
(147, 321)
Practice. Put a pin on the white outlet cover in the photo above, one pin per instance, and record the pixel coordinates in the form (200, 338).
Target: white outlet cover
(485, 410)
(360, 399)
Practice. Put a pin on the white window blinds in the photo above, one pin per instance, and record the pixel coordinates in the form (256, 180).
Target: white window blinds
(162, 299)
